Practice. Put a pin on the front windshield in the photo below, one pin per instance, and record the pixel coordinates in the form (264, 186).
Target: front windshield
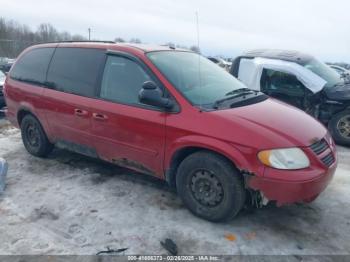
(200, 80)
(325, 72)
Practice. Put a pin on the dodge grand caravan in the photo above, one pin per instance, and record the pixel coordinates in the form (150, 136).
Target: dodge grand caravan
(172, 114)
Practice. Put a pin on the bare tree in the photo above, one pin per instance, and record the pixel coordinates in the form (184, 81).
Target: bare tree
(47, 33)
(15, 37)
(135, 40)
(195, 49)
(119, 40)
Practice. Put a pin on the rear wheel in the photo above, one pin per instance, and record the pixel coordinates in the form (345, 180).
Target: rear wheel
(34, 137)
(339, 126)
(210, 186)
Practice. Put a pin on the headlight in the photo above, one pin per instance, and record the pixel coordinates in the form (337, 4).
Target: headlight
(288, 158)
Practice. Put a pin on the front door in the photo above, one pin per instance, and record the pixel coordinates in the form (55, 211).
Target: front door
(285, 87)
(124, 131)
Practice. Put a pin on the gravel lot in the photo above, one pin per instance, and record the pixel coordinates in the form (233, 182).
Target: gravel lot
(70, 204)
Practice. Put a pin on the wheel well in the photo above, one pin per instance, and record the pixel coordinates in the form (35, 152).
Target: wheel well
(180, 155)
(21, 114)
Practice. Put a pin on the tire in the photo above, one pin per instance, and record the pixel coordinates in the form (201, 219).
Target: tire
(34, 137)
(221, 181)
(339, 127)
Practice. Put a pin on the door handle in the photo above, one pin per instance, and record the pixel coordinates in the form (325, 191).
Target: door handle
(100, 117)
(80, 112)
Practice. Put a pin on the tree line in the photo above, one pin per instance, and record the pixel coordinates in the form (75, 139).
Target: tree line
(15, 37)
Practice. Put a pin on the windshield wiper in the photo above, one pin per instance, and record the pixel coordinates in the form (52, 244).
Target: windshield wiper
(240, 90)
(240, 93)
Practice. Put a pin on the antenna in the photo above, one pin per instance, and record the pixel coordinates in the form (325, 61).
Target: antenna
(89, 30)
(197, 22)
(199, 63)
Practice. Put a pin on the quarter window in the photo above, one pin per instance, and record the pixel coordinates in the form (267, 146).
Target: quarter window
(75, 70)
(122, 80)
(32, 66)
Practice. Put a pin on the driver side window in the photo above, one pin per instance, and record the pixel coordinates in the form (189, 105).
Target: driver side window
(122, 80)
(277, 83)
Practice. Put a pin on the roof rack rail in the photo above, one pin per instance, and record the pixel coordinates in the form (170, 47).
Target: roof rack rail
(79, 41)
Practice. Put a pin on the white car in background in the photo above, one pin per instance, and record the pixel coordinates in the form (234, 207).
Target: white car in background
(2, 81)
(221, 62)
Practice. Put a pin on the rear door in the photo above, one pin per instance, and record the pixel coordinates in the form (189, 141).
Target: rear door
(124, 131)
(72, 79)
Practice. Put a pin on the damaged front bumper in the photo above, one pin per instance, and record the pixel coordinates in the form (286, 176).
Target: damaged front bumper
(289, 189)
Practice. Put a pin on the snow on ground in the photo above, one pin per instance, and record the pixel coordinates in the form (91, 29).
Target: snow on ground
(70, 204)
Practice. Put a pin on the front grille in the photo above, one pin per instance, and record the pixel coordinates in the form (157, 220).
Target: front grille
(319, 146)
(328, 160)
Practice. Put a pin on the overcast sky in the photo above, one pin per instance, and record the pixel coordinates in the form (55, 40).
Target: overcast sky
(227, 27)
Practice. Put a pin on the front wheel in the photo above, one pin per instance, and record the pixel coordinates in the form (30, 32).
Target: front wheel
(210, 186)
(339, 127)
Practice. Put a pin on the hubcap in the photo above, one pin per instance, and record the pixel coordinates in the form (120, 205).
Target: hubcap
(33, 135)
(344, 126)
(206, 188)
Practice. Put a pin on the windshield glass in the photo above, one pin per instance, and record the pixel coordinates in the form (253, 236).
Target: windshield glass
(325, 72)
(201, 81)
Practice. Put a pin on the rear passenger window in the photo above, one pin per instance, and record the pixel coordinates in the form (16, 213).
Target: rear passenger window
(75, 70)
(122, 80)
(32, 66)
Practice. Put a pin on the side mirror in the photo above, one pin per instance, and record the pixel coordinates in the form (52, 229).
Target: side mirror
(150, 94)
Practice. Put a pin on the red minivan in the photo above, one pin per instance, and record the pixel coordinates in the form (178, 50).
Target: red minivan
(172, 114)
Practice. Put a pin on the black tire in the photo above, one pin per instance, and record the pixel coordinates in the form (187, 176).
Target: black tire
(339, 131)
(34, 137)
(219, 176)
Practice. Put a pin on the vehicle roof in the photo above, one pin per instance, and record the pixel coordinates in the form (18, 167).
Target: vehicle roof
(113, 46)
(286, 55)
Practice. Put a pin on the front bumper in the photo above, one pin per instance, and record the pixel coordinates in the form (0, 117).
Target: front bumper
(304, 185)
(287, 192)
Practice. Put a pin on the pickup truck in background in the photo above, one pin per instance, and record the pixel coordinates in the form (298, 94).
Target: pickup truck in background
(302, 81)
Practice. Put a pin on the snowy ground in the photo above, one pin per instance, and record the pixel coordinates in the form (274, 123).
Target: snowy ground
(69, 204)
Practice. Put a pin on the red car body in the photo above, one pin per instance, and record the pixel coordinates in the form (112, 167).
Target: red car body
(155, 142)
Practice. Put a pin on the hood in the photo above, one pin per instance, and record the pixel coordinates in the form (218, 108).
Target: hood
(338, 92)
(269, 124)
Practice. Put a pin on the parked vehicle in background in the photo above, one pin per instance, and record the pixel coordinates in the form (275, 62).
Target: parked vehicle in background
(144, 107)
(220, 62)
(300, 80)
(345, 73)
(5, 64)
(2, 81)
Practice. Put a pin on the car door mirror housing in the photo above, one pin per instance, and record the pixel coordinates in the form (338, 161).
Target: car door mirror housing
(151, 94)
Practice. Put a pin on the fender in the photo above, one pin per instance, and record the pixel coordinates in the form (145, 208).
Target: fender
(242, 157)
